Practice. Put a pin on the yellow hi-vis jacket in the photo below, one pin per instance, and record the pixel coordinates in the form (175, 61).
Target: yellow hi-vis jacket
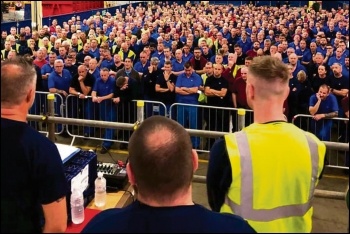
(275, 169)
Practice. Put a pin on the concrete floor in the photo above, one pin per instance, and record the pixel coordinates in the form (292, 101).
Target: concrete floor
(330, 216)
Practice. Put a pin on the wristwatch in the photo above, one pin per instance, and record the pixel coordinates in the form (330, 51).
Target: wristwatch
(79, 94)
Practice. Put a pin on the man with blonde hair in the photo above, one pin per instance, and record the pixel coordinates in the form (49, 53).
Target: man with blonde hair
(270, 185)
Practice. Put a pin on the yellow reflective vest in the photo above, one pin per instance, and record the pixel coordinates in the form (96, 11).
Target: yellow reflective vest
(275, 169)
(130, 54)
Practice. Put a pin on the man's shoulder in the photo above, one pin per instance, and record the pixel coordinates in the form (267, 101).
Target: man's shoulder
(195, 218)
(28, 134)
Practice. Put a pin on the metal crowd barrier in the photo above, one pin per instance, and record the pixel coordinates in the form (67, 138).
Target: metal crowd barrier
(333, 130)
(107, 111)
(40, 107)
(210, 118)
(193, 117)
(51, 119)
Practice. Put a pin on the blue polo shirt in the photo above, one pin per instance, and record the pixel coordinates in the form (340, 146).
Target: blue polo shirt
(298, 69)
(107, 63)
(46, 69)
(178, 66)
(103, 88)
(139, 68)
(95, 53)
(187, 58)
(322, 50)
(328, 105)
(96, 73)
(158, 55)
(334, 59)
(193, 81)
(60, 82)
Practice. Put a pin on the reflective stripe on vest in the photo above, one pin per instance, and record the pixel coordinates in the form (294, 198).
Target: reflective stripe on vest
(246, 209)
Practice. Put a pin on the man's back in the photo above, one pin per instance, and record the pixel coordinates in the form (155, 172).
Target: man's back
(281, 158)
(31, 175)
(141, 218)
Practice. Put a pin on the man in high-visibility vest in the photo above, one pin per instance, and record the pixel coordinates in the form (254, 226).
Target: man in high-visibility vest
(267, 172)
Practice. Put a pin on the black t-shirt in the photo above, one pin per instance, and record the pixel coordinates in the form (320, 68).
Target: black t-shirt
(88, 81)
(31, 175)
(166, 97)
(149, 83)
(217, 84)
(115, 68)
(338, 84)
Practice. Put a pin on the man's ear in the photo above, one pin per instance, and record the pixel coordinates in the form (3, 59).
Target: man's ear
(130, 174)
(250, 91)
(30, 97)
(286, 94)
(194, 160)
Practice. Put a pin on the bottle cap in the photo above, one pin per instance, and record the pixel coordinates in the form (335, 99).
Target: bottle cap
(99, 174)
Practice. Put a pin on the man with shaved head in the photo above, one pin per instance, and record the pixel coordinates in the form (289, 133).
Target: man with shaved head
(81, 86)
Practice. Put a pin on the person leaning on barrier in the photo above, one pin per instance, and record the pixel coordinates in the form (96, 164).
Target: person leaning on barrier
(164, 187)
(127, 90)
(81, 86)
(37, 191)
(322, 105)
(267, 172)
(102, 94)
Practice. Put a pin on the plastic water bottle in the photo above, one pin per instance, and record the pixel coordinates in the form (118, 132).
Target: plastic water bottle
(100, 190)
(77, 206)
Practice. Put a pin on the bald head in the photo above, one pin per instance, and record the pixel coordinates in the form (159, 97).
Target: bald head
(164, 142)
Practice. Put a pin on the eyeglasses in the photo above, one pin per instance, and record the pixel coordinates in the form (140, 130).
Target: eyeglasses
(58, 66)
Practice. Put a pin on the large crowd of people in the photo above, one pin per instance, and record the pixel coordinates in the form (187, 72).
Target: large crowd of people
(193, 54)
(276, 61)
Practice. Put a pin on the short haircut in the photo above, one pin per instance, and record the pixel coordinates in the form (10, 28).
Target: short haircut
(24, 77)
(120, 81)
(324, 86)
(168, 63)
(249, 58)
(269, 69)
(301, 75)
(104, 69)
(163, 166)
(187, 65)
(155, 60)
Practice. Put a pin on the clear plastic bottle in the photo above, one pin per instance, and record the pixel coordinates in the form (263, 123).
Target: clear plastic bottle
(100, 190)
(77, 206)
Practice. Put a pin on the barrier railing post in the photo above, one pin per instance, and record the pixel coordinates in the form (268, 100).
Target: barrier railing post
(241, 118)
(140, 113)
(51, 112)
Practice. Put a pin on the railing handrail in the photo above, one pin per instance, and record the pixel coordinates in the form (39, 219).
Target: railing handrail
(310, 116)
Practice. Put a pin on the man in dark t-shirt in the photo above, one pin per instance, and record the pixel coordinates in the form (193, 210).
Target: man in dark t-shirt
(81, 86)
